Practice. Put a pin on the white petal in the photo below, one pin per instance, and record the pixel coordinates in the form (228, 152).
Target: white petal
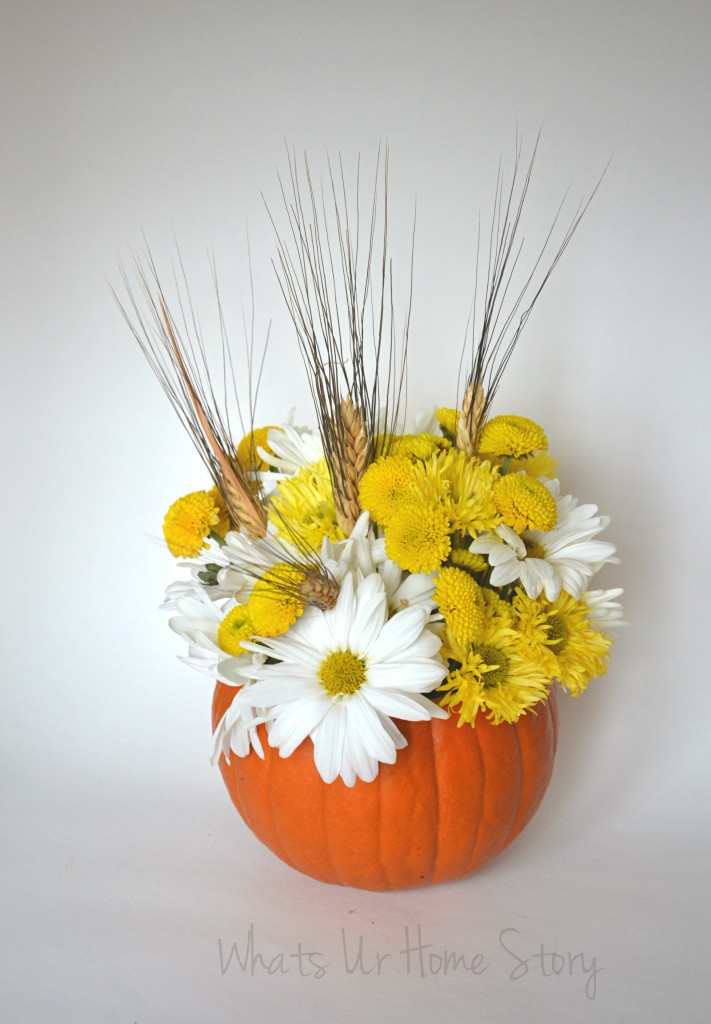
(267, 692)
(510, 537)
(356, 760)
(329, 738)
(370, 617)
(419, 676)
(364, 723)
(295, 721)
(340, 618)
(506, 573)
(398, 634)
(411, 707)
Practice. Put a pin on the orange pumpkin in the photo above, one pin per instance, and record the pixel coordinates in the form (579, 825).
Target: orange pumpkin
(454, 799)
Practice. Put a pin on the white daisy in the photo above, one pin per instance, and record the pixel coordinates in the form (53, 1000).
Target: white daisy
(236, 732)
(605, 611)
(293, 447)
(405, 589)
(340, 677)
(564, 558)
(214, 572)
(198, 621)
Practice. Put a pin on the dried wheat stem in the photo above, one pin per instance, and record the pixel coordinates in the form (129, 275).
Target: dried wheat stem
(350, 465)
(470, 419)
(245, 510)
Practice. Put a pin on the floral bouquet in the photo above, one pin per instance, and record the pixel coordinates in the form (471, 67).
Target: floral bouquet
(387, 611)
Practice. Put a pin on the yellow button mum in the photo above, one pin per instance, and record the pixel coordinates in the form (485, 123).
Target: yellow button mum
(419, 446)
(469, 560)
(417, 538)
(448, 420)
(235, 627)
(385, 485)
(275, 603)
(525, 503)
(513, 436)
(190, 519)
(459, 599)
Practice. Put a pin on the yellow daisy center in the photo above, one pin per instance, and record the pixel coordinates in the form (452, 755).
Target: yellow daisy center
(533, 548)
(385, 485)
(189, 521)
(342, 673)
(235, 627)
(525, 503)
(557, 632)
(459, 600)
(275, 603)
(515, 436)
(496, 665)
(418, 538)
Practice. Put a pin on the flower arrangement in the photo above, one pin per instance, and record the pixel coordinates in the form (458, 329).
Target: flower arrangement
(346, 578)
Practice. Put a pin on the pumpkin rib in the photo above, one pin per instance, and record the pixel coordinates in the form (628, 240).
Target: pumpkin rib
(434, 867)
(270, 803)
(502, 790)
(381, 833)
(518, 806)
(325, 804)
(267, 826)
(482, 762)
(461, 774)
(535, 743)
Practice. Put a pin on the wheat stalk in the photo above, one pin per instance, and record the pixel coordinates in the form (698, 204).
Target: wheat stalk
(244, 509)
(320, 590)
(350, 466)
(509, 291)
(471, 419)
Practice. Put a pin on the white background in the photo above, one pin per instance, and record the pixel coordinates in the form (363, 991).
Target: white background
(124, 864)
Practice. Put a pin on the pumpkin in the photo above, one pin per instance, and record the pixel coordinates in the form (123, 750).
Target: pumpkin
(455, 798)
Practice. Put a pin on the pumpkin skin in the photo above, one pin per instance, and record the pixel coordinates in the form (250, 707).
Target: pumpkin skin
(453, 800)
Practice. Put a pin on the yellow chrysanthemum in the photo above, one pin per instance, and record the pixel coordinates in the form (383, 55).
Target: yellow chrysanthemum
(459, 598)
(559, 634)
(497, 612)
(469, 560)
(495, 677)
(247, 454)
(234, 628)
(514, 436)
(417, 537)
(448, 420)
(419, 446)
(463, 487)
(525, 503)
(385, 485)
(274, 604)
(541, 464)
(303, 505)
(223, 525)
(190, 519)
